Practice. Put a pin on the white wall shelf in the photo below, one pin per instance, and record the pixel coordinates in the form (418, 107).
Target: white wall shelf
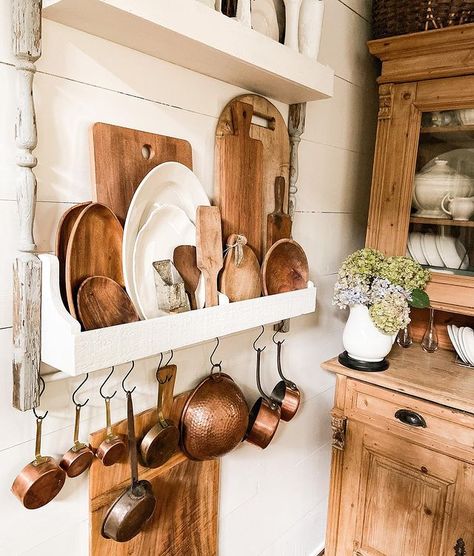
(189, 34)
(67, 349)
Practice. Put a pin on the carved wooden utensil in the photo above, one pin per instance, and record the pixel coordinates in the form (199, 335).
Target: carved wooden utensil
(278, 223)
(240, 278)
(209, 249)
(184, 259)
(285, 268)
(94, 249)
(101, 302)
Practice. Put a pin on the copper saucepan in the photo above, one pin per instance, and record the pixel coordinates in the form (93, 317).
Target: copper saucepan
(41, 480)
(162, 440)
(286, 393)
(113, 448)
(265, 414)
(134, 507)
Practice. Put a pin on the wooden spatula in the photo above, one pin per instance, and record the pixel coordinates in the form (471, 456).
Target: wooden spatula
(184, 259)
(240, 278)
(278, 223)
(209, 249)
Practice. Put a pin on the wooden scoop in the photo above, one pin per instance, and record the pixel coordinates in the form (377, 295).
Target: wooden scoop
(285, 268)
(101, 302)
(209, 249)
(184, 259)
(240, 278)
(278, 223)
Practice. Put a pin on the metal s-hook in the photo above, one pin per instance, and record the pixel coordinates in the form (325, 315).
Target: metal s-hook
(125, 378)
(76, 403)
(104, 383)
(215, 365)
(278, 331)
(42, 388)
(257, 339)
(171, 357)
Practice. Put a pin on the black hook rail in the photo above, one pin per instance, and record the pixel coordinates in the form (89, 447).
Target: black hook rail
(104, 383)
(125, 378)
(74, 401)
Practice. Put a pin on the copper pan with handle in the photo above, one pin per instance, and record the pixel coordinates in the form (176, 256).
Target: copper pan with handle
(286, 393)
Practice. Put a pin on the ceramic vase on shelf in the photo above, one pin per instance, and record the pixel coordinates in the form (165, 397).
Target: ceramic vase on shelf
(310, 27)
(362, 340)
(292, 12)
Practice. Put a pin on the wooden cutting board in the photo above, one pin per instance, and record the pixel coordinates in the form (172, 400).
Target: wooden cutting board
(94, 249)
(185, 521)
(122, 157)
(209, 258)
(239, 175)
(273, 133)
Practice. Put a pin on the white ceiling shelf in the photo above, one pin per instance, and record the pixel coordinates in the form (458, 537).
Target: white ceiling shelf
(189, 34)
(66, 348)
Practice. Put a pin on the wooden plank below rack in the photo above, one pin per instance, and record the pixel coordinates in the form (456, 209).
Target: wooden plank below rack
(442, 222)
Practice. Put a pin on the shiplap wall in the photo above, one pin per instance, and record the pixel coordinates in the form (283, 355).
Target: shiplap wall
(273, 502)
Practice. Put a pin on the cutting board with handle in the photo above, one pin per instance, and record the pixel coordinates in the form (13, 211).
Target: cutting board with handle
(122, 157)
(278, 223)
(269, 127)
(239, 175)
(185, 519)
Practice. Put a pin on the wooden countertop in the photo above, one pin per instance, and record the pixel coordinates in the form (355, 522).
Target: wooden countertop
(430, 376)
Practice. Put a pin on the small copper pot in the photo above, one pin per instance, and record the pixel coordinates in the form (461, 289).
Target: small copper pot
(264, 416)
(39, 481)
(286, 393)
(113, 448)
(78, 458)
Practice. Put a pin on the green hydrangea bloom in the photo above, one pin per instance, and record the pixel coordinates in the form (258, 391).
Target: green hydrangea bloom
(391, 313)
(404, 272)
(365, 263)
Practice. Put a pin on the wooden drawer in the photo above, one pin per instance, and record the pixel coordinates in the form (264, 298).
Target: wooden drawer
(444, 429)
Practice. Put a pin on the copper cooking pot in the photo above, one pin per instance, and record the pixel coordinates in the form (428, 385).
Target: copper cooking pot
(41, 480)
(286, 393)
(264, 416)
(215, 417)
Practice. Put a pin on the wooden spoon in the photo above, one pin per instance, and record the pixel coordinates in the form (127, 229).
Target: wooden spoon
(184, 259)
(285, 268)
(209, 249)
(240, 281)
(101, 302)
(278, 223)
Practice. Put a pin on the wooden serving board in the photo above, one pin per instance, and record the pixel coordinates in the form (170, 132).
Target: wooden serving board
(185, 519)
(276, 151)
(122, 157)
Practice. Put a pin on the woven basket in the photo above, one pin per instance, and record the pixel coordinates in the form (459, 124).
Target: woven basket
(399, 17)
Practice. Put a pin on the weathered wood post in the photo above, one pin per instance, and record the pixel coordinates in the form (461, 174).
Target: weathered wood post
(26, 44)
(296, 124)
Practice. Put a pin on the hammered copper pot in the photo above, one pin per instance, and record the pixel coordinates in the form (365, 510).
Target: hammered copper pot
(214, 419)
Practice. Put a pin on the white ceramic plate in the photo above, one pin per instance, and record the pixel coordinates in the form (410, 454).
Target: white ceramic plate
(467, 337)
(430, 252)
(454, 340)
(452, 251)
(414, 242)
(166, 228)
(170, 183)
(264, 18)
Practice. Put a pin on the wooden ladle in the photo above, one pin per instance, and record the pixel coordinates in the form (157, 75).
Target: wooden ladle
(184, 259)
(285, 268)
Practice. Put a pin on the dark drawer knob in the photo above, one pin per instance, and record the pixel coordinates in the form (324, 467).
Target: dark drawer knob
(410, 418)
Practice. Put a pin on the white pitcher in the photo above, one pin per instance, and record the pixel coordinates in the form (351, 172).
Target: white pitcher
(459, 208)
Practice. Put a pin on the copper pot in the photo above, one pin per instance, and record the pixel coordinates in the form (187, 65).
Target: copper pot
(113, 448)
(78, 458)
(286, 393)
(264, 416)
(214, 419)
(39, 481)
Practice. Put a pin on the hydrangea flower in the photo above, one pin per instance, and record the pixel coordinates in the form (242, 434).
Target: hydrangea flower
(365, 263)
(404, 272)
(391, 313)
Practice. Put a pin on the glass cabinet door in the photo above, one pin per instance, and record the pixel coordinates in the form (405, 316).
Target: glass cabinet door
(441, 233)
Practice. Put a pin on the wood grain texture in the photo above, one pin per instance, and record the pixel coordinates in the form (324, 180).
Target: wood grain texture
(239, 180)
(184, 259)
(209, 258)
(185, 521)
(419, 324)
(65, 226)
(101, 302)
(240, 281)
(94, 249)
(276, 148)
(278, 223)
(122, 157)
(285, 268)
(296, 125)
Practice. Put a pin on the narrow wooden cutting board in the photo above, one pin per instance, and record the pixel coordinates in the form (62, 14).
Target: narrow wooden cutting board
(270, 128)
(278, 223)
(122, 157)
(239, 175)
(185, 519)
(209, 257)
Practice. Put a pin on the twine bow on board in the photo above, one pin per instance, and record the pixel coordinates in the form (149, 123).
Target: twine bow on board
(238, 241)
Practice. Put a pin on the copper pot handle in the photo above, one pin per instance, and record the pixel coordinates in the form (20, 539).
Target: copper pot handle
(289, 383)
(108, 419)
(77, 445)
(268, 399)
(39, 459)
(132, 440)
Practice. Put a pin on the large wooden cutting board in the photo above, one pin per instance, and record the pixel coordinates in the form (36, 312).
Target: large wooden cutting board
(122, 157)
(185, 521)
(276, 149)
(239, 174)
